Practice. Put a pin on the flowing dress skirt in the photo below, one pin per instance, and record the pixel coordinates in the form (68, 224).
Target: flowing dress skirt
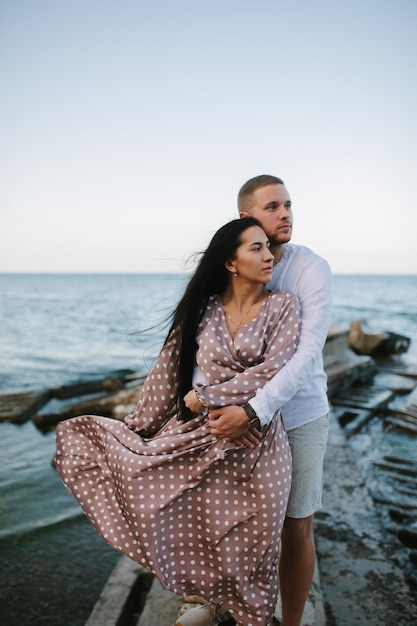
(203, 515)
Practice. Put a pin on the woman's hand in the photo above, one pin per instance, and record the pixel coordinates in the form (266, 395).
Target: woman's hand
(193, 403)
(231, 423)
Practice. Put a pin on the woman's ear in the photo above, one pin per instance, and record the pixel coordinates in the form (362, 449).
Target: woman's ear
(229, 265)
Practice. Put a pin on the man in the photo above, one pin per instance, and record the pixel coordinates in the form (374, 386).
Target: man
(299, 389)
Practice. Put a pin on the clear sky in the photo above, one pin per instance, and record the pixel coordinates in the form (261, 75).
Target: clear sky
(127, 128)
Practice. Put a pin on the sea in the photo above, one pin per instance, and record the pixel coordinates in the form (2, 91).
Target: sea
(60, 329)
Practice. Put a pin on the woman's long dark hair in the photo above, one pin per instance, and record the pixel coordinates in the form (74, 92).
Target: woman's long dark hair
(210, 278)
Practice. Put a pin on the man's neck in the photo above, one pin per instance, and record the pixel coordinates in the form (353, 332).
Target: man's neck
(278, 251)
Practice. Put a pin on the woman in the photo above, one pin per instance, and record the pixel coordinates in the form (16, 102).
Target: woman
(204, 515)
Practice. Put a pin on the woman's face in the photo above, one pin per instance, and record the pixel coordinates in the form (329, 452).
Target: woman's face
(254, 259)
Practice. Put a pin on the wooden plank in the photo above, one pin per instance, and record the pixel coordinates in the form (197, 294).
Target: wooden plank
(409, 413)
(20, 407)
(407, 469)
(341, 376)
(401, 425)
(73, 390)
(365, 397)
(109, 384)
(352, 419)
(105, 405)
(398, 367)
(395, 382)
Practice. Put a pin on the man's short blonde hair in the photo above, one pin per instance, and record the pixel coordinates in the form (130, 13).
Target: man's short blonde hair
(245, 195)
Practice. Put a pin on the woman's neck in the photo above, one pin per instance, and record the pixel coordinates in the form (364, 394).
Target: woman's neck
(240, 305)
(241, 297)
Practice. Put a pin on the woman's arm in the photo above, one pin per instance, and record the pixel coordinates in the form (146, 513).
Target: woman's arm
(282, 338)
(156, 396)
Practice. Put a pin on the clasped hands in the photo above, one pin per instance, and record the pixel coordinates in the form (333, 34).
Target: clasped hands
(228, 422)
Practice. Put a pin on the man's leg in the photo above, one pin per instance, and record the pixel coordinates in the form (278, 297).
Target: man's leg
(298, 554)
(296, 568)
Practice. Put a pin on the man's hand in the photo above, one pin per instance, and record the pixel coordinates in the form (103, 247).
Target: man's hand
(231, 423)
(193, 403)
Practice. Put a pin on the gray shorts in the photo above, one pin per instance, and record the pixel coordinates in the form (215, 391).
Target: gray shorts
(308, 445)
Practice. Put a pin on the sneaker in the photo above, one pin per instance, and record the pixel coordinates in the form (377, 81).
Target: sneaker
(204, 615)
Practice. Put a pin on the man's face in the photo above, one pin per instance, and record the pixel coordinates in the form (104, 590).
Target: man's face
(272, 207)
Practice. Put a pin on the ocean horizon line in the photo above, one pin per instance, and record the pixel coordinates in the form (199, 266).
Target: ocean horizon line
(165, 273)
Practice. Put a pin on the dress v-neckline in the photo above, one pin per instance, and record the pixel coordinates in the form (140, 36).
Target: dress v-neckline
(233, 337)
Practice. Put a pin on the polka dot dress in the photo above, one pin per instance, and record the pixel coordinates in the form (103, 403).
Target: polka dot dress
(203, 515)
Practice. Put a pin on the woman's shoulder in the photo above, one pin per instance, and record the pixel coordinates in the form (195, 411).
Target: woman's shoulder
(214, 300)
(281, 303)
(282, 296)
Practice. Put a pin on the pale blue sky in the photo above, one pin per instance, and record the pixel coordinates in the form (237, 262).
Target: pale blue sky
(128, 127)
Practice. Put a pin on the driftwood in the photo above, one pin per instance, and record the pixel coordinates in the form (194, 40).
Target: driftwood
(21, 407)
(401, 424)
(364, 340)
(115, 405)
(403, 415)
(113, 383)
(407, 469)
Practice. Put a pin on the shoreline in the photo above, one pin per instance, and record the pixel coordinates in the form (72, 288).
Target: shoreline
(355, 559)
(362, 579)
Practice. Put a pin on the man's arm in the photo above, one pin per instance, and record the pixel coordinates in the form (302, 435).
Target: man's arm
(315, 294)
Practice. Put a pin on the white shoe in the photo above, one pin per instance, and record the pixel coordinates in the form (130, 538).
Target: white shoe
(204, 615)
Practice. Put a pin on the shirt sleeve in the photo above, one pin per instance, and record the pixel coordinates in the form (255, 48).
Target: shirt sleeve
(315, 295)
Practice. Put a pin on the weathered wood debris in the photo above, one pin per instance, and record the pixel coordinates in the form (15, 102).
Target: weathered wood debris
(364, 340)
(390, 394)
(108, 396)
